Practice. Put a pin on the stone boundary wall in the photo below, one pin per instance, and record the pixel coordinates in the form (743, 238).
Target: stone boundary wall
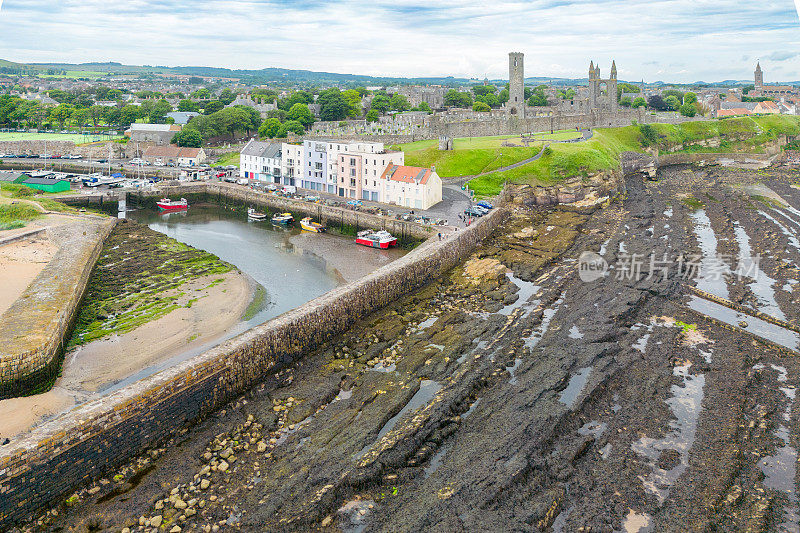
(325, 213)
(21, 236)
(47, 465)
(97, 150)
(33, 330)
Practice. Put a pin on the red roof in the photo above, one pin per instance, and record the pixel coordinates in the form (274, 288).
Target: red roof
(407, 174)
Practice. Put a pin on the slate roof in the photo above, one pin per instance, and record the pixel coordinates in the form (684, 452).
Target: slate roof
(262, 149)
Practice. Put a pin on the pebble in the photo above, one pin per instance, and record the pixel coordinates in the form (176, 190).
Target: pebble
(156, 521)
(227, 452)
(204, 484)
(262, 447)
(223, 466)
(180, 504)
(327, 521)
(175, 529)
(159, 505)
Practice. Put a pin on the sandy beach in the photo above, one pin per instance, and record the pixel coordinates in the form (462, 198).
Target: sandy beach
(20, 263)
(90, 368)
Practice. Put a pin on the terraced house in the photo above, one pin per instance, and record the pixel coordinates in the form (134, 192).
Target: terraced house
(413, 187)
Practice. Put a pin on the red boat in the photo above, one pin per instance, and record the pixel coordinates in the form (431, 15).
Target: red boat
(376, 239)
(165, 204)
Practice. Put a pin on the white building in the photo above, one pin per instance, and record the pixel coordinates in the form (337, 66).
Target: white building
(261, 161)
(291, 163)
(360, 168)
(412, 187)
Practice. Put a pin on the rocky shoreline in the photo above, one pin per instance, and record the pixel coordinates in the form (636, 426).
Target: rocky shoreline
(512, 395)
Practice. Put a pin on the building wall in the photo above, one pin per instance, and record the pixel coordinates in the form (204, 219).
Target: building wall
(93, 439)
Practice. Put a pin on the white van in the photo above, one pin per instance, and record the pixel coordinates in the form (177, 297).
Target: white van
(290, 189)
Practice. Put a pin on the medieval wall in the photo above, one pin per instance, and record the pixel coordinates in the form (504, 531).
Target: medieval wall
(42, 469)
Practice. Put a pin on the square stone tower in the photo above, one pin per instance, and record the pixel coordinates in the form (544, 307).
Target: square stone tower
(759, 77)
(516, 92)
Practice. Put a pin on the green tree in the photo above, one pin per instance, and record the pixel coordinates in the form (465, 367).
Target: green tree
(186, 105)
(128, 115)
(270, 128)
(372, 115)
(95, 114)
(293, 126)
(503, 96)
(672, 102)
(398, 102)
(212, 107)
(538, 97)
(482, 90)
(302, 114)
(481, 107)
(226, 96)
(80, 117)
(688, 110)
(159, 111)
(353, 98)
(625, 101)
(61, 114)
(332, 104)
(639, 102)
(299, 97)
(673, 92)
(423, 106)
(689, 98)
(189, 137)
(201, 94)
(280, 114)
(380, 103)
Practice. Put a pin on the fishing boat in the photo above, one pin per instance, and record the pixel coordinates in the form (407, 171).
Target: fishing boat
(282, 218)
(165, 204)
(309, 225)
(252, 214)
(376, 239)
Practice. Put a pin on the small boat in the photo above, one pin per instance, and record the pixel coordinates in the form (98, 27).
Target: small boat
(165, 204)
(376, 239)
(309, 225)
(282, 218)
(252, 214)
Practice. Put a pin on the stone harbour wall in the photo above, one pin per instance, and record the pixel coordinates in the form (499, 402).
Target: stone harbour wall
(34, 329)
(43, 468)
(323, 213)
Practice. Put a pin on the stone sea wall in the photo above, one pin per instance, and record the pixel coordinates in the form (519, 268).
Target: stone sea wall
(43, 468)
(33, 330)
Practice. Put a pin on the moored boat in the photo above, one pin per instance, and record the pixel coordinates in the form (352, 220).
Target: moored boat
(309, 225)
(165, 204)
(376, 239)
(252, 214)
(282, 218)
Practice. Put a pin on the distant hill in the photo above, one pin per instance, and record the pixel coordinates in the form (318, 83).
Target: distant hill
(300, 77)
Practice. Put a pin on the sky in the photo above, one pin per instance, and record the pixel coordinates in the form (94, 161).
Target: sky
(654, 40)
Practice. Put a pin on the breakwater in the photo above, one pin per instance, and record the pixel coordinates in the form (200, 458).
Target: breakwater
(41, 469)
(34, 329)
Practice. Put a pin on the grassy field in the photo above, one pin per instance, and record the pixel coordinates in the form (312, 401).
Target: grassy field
(77, 139)
(231, 158)
(603, 150)
(469, 156)
(21, 192)
(14, 216)
(74, 74)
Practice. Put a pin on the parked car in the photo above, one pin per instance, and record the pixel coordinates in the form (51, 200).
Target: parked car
(138, 162)
(355, 203)
(485, 204)
(243, 181)
(474, 211)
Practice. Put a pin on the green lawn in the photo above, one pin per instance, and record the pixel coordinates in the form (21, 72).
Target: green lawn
(77, 139)
(603, 150)
(231, 158)
(565, 135)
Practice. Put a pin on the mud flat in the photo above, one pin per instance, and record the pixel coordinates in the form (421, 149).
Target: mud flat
(20, 263)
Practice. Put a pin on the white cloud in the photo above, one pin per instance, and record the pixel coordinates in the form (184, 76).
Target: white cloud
(707, 38)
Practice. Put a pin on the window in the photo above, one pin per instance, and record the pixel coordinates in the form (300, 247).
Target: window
(352, 161)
